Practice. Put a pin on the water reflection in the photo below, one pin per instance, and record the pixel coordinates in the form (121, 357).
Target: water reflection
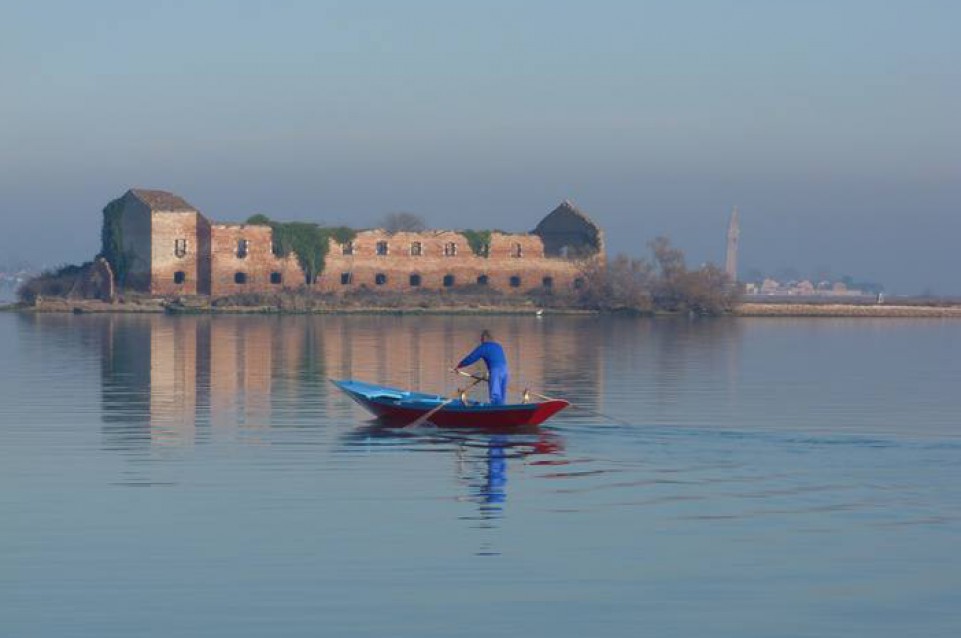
(175, 381)
(179, 381)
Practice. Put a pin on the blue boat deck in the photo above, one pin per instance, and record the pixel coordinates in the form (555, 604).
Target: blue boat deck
(375, 392)
(361, 390)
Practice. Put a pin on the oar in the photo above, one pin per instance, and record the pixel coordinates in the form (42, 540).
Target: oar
(424, 418)
(547, 398)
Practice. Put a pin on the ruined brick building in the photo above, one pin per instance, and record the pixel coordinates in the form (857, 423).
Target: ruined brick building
(169, 248)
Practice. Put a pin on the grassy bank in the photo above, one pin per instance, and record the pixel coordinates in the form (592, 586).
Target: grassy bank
(300, 306)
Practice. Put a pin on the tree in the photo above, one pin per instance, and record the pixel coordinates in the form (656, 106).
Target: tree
(705, 291)
(403, 222)
(259, 219)
(670, 260)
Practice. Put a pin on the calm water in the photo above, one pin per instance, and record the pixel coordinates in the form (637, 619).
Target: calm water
(199, 476)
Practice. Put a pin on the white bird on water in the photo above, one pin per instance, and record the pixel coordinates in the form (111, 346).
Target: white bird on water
(540, 312)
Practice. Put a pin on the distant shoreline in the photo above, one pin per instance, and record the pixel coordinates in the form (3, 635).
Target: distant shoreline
(750, 309)
(846, 310)
(157, 306)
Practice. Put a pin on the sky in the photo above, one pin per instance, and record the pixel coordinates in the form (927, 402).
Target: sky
(833, 126)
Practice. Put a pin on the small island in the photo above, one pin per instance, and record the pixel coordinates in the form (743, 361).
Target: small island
(160, 254)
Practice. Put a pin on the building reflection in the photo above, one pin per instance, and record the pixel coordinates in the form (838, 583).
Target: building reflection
(177, 380)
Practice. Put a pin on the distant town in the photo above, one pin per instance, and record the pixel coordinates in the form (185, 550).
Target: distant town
(792, 285)
(805, 288)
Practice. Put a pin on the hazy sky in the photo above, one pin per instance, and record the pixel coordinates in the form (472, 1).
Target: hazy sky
(834, 126)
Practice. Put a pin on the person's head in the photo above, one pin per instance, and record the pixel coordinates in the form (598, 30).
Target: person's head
(486, 336)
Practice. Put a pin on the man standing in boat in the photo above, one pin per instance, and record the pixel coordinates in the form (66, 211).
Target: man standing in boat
(498, 375)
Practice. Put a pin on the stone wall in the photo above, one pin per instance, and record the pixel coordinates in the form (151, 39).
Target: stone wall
(97, 282)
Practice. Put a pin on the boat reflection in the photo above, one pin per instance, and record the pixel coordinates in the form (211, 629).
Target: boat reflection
(483, 458)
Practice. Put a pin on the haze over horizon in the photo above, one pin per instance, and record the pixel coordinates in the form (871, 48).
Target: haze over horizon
(832, 126)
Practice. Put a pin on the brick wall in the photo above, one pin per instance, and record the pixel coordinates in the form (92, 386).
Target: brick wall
(231, 273)
(180, 252)
(175, 250)
(512, 259)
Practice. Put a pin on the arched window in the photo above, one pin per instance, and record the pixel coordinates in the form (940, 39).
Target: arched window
(448, 281)
(416, 249)
(380, 279)
(517, 250)
(348, 248)
(483, 280)
(180, 277)
(276, 278)
(515, 281)
(415, 280)
(243, 248)
(548, 282)
(240, 278)
(450, 249)
(382, 248)
(180, 247)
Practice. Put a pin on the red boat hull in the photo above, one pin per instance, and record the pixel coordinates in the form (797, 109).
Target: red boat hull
(510, 417)
(400, 408)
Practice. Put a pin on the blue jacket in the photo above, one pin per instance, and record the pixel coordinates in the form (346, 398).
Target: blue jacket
(491, 352)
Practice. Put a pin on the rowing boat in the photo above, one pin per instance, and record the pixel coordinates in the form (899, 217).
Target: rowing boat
(402, 407)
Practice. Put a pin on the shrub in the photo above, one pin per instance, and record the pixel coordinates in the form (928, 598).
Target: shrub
(57, 282)
(621, 284)
(665, 285)
(478, 240)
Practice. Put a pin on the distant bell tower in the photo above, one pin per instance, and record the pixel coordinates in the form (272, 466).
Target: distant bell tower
(733, 233)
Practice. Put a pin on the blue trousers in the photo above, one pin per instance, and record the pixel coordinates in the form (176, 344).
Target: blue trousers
(499, 378)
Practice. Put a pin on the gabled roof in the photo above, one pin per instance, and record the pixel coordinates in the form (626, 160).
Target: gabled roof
(565, 208)
(566, 229)
(161, 200)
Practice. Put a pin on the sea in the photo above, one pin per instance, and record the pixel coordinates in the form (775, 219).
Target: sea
(743, 477)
